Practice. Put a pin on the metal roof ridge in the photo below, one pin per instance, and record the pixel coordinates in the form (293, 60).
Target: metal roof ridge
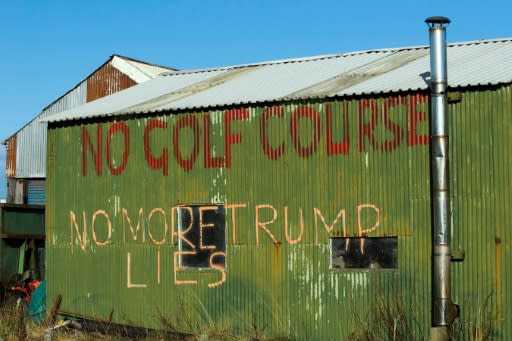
(142, 62)
(481, 41)
(330, 56)
(276, 62)
(130, 69)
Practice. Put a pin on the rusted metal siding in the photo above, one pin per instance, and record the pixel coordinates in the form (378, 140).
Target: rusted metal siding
(290, 176)
(10, 164)
(106, 81)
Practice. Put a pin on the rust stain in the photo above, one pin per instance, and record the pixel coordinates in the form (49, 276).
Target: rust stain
(276, 264)
(10, 170)
(106, 81)
(498, 274)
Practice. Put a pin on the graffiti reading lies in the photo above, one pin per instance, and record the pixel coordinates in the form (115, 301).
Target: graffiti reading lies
(370, 115)
(160, 228)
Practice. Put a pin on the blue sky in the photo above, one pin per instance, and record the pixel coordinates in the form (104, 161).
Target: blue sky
(47, 47)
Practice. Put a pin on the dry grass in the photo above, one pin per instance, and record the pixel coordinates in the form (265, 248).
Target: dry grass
(389, 319)
(481, 323)
(14, 326)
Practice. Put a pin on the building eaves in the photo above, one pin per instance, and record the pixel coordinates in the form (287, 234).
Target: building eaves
(473, 63)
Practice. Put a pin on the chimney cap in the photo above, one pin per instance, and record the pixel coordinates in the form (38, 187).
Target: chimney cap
(437, 20)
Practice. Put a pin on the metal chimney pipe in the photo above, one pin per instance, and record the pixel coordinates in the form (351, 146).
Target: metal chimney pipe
(443, 309)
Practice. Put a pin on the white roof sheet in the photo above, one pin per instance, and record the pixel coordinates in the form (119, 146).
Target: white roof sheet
(483, 62)
(137, 70)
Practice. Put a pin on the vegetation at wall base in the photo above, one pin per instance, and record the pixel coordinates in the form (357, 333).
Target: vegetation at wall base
(387, 320)
(15, 326)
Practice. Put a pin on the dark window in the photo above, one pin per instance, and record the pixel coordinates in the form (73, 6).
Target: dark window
(202, 235)
(364, 253)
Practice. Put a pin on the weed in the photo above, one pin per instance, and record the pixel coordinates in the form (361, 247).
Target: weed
(392, 318)
(389, 319)
(479, 322)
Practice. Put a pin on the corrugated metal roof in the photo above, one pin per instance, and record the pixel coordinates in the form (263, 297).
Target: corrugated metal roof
(475, 63)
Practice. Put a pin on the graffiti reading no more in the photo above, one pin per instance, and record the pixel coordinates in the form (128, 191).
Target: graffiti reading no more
(159, 228)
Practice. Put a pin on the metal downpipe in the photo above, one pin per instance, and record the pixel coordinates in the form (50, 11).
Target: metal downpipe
(443, 309)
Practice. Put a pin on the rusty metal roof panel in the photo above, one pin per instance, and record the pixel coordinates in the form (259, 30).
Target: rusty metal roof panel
(160, 89)
(380, 71)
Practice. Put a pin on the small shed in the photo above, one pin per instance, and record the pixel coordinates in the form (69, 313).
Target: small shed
(287, 198)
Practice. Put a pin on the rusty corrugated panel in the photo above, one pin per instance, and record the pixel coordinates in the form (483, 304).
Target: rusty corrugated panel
(10, 164)
(106, 81)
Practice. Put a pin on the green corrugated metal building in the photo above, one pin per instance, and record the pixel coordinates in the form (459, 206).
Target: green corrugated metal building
(286, 198)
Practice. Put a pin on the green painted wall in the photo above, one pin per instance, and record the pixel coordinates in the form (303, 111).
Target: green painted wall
(20, 223)
(363, 161)
(22, 220)
(9, 258)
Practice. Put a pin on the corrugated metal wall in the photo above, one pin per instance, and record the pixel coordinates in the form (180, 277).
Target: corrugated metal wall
(363, 160)
(31, 140)
(22, 222)
(481, 166)
(36, 194)
(106, 81)
(9, 257)
(10, 164)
